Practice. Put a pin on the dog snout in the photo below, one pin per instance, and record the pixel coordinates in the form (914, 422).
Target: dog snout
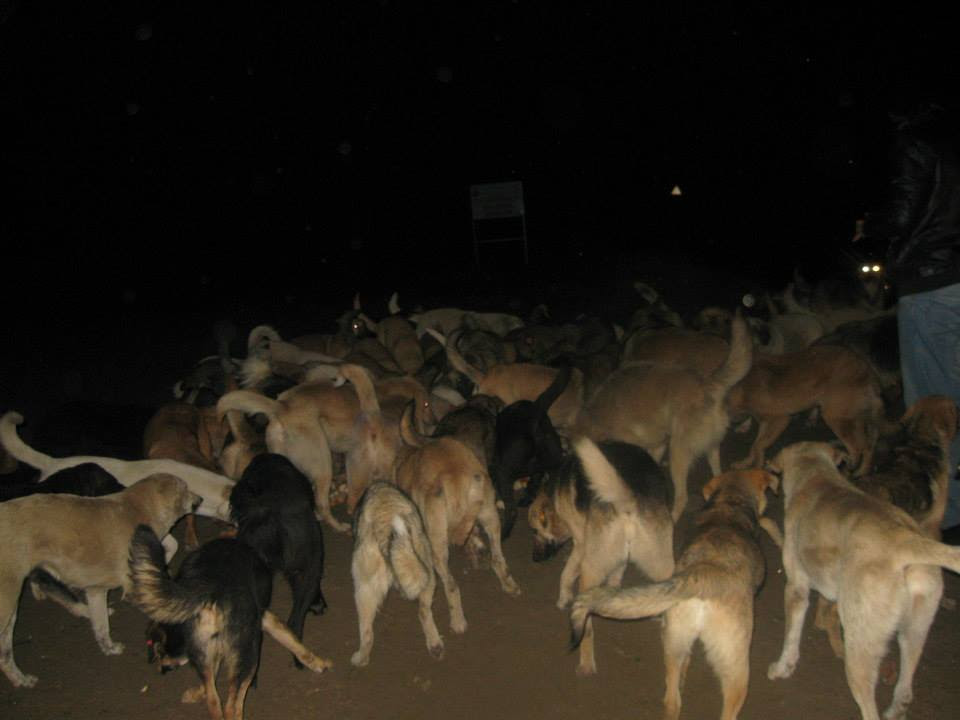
(544, 549)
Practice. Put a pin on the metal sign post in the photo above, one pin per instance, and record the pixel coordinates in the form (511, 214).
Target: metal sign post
(498, 201)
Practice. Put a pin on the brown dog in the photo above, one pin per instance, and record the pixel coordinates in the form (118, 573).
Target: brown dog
(710, 596)
(454, 493)
(653, 405)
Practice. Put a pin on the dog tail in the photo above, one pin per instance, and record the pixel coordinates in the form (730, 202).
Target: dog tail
(409, 554)
(738, 362)
(362, 383)
(457, 360)
(17, 448)
(154, 591)
(249, 402)
(556, 388)
(921, 550)
(408, 430)
(603, 477)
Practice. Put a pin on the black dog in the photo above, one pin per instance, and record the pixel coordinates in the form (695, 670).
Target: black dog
(273, 506)
(526, 444)
(87, 479)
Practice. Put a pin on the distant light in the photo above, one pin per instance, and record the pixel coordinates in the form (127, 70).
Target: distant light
(876, 268)
(749, 301)
(676, 192)
(865, 268)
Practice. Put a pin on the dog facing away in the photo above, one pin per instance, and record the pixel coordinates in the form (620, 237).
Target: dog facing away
(273, 507)
(868, 556)
(709, 597)
(391, 549)
(212, 615)
(82, 543)
(614, 501)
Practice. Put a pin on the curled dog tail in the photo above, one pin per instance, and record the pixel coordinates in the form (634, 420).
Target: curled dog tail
(457, 360)
(408, 552)
(362, 383)
(18, 448)
(154, 591)
(603, 477)
(555, 390)
(738, 362)
(249, 402)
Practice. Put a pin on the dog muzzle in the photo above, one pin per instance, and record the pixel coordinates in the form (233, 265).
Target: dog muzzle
(544, 549)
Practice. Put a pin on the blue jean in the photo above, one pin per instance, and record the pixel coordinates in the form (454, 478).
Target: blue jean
(929, 327)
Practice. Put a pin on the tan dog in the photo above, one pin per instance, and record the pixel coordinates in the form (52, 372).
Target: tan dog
(868, 556)
(613, 501)
(398, 336)
(654, 405)
(83, 543)
(840, 382)
(454, 493)
(391, 549)
(700, 351)
(511, 382)
(709, 597)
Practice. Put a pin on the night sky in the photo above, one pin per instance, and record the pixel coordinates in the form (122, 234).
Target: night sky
(158, 147)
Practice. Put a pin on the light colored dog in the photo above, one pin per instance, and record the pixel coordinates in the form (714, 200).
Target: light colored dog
(391, 548)
(709, 597)
(868, 556)
(654, 405)
(613, 501)
(83, 543)
(454, 493)
(212, 487)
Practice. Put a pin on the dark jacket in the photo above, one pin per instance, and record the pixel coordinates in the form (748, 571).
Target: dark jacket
(922, 218)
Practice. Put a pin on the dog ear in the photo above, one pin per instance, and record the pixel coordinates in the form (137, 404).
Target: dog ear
(763, 479)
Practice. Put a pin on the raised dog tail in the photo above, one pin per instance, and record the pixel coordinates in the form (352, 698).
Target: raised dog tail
(18, 448)
(738, 361)
(154, 591)
(362, 383)
(457, 360)
(408, 551)
(921, 550)
(249, 402)
(259, 335)
(603, 477)
(556, 388)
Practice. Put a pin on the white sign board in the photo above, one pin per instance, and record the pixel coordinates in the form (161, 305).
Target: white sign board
(491, 201)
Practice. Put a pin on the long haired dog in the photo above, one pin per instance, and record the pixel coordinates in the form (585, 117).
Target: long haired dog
(454, 493)
(613, 500)
(212, 615)
(868, 556)
(709, 597)
(659, 405)
(527, 445)
(391, 548)
(273, 507)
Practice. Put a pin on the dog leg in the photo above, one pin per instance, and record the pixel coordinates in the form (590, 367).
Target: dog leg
(828, 620)
(713, 460)
(796, 600)
(680, 460)
(769, 429)
(437, 531)
(7, 662)
(193, 695)
(72, 604)
(371, 579)
(210, 694)
(726, 638)
(679, 632)
(281, 633)
(571, 571)
(236, 695)
(305, 588)
(591, 575)
(100, 620)
(489, 520)
(425, 613)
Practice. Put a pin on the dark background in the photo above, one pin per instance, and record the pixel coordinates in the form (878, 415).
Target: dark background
(185, 154)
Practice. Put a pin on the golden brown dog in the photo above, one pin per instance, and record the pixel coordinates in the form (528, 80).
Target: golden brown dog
(654, 405)
(82, 543)
(700, 351)
(454, 493)
(613, 501)
(839, 381)
(868, 556)
(709, 597)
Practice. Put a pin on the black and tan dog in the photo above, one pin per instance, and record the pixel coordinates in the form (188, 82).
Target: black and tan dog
(391, 548)
(212, 615)
(614, 501)
(273, 507)
(710, 596)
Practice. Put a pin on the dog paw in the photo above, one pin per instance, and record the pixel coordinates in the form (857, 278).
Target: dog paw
(458, 625)
(586, 669)
(23, 680)
(436, 651)
(359, 659)
(510, 587)
(779, 670)
(192, 695)
(563, 601)
(112, 648)
(319, 664)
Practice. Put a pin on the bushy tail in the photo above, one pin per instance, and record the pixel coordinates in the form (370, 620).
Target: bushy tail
(738, 362)
(362, 383)
(249, 402)
(556, 388)
(409, 554)
(603, 477)
(260, 335)
(17, 447)
(154, 591)
(627, 603)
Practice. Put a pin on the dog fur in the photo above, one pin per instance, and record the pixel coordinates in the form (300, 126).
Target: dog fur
(614, 501)
(212, 615)
(81, 542)
(391, 548)
(710, 595)
(87, 480)
(868, 556)
(654, 405)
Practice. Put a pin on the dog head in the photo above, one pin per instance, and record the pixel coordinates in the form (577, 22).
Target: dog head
(167, 646)
(754, 481)
(800, 458)
(550, 532)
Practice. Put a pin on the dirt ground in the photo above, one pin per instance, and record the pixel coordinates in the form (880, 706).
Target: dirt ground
(512, 662)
